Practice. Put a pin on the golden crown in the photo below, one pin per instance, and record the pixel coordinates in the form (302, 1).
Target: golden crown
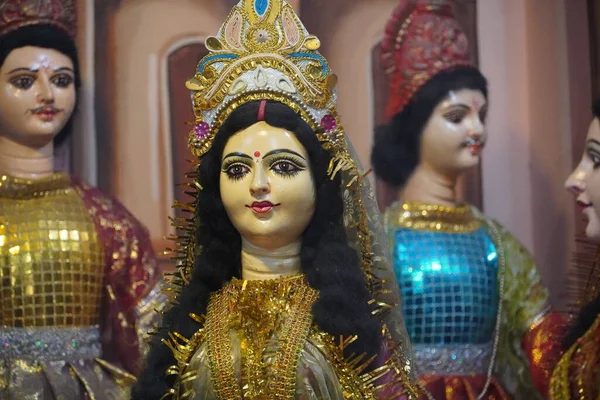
(263, 51)
(15, 14)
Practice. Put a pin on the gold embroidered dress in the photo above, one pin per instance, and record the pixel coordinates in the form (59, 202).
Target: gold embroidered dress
(577, 375)
(77, 276)
(246, 317)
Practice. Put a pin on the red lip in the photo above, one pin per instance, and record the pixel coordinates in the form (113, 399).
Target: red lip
(46, 114)
(262, 207)
(475, 149)
(583, 205)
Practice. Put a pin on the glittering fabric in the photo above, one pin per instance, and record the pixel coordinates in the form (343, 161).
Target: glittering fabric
(577, 374)
(259, 342)
(462, 359)
(50, 344)
(463, 388)
(542, 346)
(51, 260)
(447, 245)
(449, 285)
(65, 249)
(131, 274)
(82, 379)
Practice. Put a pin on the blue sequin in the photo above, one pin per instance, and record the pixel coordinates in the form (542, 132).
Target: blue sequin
(449, 285)
(260, 6)
(314, 56)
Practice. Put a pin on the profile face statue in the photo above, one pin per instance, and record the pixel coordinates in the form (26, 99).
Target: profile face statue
(584, 181)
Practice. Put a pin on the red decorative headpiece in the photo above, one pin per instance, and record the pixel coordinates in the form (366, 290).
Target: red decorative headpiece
(422, 38)
(15, 14)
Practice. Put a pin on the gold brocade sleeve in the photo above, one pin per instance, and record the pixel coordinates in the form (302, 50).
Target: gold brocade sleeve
(131, 276)
(577, 375)
(524, 334)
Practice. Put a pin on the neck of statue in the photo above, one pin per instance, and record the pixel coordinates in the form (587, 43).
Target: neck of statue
(262, 264)
(27, 162)
(430, 187)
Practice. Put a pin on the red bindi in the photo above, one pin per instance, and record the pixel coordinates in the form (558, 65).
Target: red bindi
(257, 154)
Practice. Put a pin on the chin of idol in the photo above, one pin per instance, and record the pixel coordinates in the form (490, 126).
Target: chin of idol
(455, 136)
(267, 186)
(37, 94)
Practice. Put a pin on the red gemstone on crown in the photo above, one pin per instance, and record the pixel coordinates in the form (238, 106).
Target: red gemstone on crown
(328, 123)
(201, 130)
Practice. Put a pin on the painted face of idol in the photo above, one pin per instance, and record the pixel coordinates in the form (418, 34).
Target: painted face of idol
(267, 186)
(584, 182)
(37, 94)
(454, 136)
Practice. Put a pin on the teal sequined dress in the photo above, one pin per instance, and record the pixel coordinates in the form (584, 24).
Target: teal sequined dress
(471, 296)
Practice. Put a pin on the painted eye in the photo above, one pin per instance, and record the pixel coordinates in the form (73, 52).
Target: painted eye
(23, 82)
(62, 80)
(237, 171)
(455, 117)
(284, 167)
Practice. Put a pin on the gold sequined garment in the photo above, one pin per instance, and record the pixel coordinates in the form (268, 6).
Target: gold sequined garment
(259, 342)
(51, 261)
(52, 269)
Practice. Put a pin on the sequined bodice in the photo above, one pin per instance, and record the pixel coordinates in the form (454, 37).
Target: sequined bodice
(447, 269)
(51, 260)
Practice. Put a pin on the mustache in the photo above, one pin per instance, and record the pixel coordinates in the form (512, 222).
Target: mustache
(40, 109)
(474, 142)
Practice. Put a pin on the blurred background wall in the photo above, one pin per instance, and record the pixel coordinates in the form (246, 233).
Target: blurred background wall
(137, 54)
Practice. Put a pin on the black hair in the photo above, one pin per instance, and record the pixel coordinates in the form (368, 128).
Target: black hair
(396, 152)
(590, 311)
(328, 262)
(49, 37)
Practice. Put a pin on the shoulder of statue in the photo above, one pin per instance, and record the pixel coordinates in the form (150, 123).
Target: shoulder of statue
(107, 211)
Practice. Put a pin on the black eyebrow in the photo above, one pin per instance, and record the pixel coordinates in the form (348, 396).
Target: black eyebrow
(594, 141)
(279, 151)
(22, 69)
(37, 70)
(242, 155)
(64, 69)
(460, 105)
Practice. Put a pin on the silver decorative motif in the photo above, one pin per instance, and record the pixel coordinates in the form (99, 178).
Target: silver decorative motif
(466, 359)
(50, 344)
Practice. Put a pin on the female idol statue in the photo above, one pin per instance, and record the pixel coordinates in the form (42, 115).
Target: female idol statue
(474, 305)
(577, 375)
(77, 270)
(286, 290)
